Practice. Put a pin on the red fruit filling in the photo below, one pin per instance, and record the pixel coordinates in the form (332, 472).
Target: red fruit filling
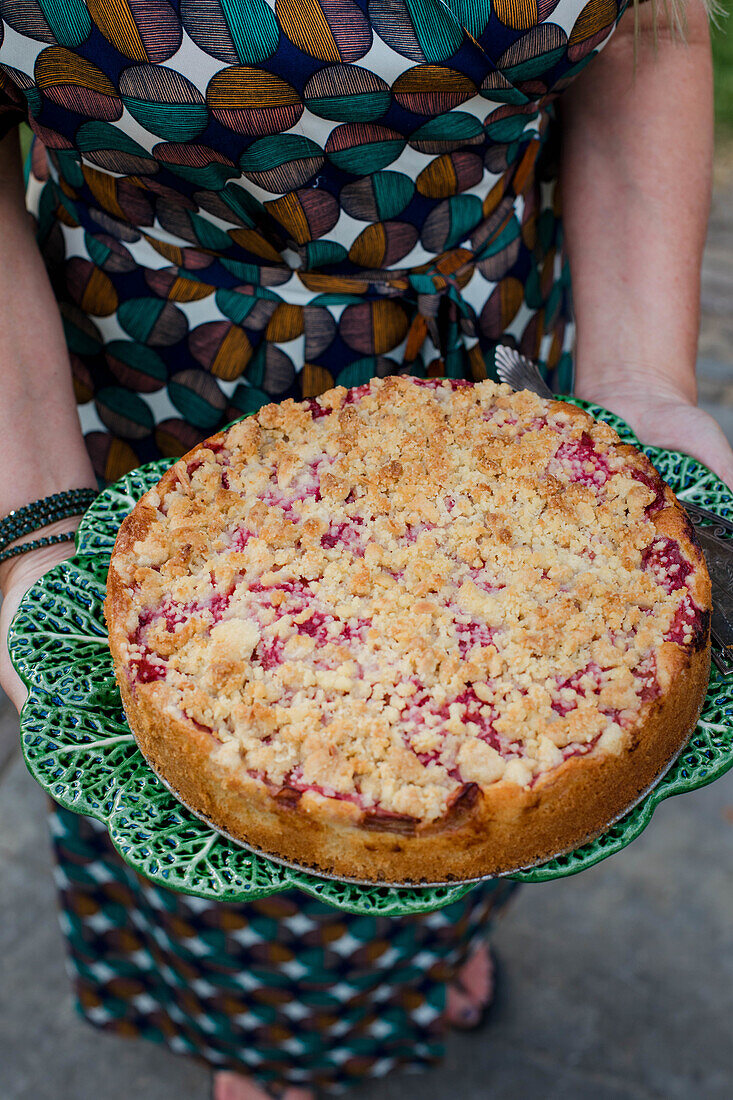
(686, 623)
(670, 570)
(357, 393)
(346, 535)
(294, 782)
(316, 627)
(145, 671)
(654, 483)
(571, 690)
(215, 448)
(646, 672)
(589, 679)
(472, 634)
(316, 410)
(422, 706)
(473, 713)
(217, 605)
(664, 560)
(434, 383)
(270, 653)
(582, 461)
(286, 498)
(240, 538)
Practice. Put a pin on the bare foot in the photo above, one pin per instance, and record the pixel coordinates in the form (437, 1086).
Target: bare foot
(472, 989)
(234, 1086)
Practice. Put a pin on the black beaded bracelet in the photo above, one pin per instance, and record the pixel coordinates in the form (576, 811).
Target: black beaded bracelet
(31, 517)
(35, 544)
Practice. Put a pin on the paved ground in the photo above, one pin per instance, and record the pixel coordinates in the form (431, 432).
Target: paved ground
(618, 983)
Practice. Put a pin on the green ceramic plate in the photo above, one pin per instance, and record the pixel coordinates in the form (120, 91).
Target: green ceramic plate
(77, 743)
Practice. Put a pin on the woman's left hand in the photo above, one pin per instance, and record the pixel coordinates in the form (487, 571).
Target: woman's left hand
(16, 576)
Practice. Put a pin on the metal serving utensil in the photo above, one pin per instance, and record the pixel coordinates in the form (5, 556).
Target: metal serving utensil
(522, 373)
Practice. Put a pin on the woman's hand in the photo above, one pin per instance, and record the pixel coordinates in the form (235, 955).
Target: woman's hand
(664, 418)
(17, 576)
(636, 171)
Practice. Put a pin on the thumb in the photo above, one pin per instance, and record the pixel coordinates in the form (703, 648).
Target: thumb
(10, 681)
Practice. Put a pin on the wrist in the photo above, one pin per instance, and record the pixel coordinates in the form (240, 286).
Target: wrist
(638, 382)
(25, 569)
(40, 474)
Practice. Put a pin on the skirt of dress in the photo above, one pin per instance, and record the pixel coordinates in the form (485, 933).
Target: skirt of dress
(169, 343)
(286, 989)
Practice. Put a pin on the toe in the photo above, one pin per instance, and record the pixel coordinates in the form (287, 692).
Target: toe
(461, 1011)
(235, 1086)
(476, 976)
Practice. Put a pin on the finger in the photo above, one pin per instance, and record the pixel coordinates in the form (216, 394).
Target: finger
(12, 685)
(705, 441)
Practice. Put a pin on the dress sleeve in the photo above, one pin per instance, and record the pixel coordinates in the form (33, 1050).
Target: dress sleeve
(13, 108)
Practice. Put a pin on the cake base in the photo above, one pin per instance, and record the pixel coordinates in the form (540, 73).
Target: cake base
(496, 832)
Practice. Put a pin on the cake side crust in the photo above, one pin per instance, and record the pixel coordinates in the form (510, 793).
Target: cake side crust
(506, 828)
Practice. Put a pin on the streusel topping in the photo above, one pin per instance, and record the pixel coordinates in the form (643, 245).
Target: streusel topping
(389, 592)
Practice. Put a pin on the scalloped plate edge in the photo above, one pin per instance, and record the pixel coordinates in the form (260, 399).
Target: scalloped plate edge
(655, 794)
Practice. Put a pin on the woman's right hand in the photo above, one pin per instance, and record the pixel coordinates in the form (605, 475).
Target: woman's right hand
(16, 576)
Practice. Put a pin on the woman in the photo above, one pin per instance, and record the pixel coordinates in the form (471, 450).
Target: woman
(262, 200)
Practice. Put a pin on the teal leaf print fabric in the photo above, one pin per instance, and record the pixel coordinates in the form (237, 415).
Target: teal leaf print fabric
(240, 201)
(244, 200)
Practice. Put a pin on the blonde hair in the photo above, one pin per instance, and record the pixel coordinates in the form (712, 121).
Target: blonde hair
(675, 14)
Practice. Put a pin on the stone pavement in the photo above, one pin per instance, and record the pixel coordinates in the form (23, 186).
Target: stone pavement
(617, 984)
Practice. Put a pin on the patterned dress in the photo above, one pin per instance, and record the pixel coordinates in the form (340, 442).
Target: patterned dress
(240, 201)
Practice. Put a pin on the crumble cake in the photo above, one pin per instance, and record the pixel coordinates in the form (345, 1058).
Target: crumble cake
(419, 630)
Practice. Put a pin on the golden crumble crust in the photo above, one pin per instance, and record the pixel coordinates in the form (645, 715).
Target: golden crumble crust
(401, 611)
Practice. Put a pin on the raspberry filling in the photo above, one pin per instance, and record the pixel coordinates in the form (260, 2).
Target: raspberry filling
(294, 782)
(670, 569)
(664, 560)
(216, 449)
(150, 666)
(307, 484)
(589, 681)
(646, 674)
(657, 487)
(316, 410)
(473, 634)
(580, 460)
(346, 536)
(422, 716)
(576, 687)
(687, 623)
(296, 605)
(146, 671)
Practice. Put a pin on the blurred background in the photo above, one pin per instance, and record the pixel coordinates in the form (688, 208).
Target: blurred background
(617, 985)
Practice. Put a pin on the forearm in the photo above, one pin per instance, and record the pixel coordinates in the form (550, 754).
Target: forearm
(636, 192)
(41, 446)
